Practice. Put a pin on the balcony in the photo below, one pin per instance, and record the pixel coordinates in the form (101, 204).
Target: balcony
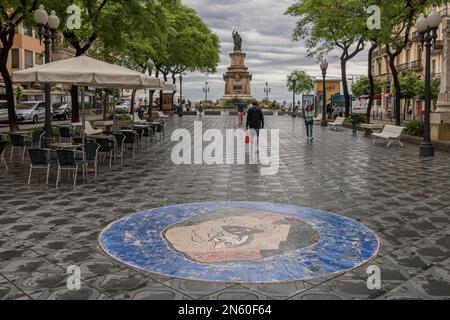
(379, 52)
(439, 46)
(415, 66)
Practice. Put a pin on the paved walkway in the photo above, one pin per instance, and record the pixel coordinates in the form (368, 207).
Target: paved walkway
(403, 198)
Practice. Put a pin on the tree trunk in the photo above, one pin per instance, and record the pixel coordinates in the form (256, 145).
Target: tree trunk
(7, 39)
(133, 98)
(371, 83)
(150, 104)
(75, 104)
(345, 87)
(397, 107)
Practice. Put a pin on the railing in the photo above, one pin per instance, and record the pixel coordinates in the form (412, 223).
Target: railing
(416, 65)
(439, 45)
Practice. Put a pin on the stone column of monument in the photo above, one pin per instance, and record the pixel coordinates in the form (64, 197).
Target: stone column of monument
(440, 120)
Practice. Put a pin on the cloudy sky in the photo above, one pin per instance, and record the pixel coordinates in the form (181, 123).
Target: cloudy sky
(267, 40)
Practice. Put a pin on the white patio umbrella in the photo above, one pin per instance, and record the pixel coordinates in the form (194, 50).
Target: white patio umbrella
(85, 71)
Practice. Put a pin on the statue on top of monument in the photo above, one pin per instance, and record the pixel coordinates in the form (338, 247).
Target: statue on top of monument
(237, 41)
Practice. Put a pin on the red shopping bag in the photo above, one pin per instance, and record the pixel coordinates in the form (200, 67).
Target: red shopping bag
(247, 137)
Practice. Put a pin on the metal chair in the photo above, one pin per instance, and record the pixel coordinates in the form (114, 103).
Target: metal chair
(40, 159)
(64, 133)
(120, 145)
(37, 138)
(131, 138)
(3, 144)
(17, 141)
(91, 153)
(107, 146)
(67, 161)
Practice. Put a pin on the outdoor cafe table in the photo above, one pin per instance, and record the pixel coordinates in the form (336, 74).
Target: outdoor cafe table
(62, 145)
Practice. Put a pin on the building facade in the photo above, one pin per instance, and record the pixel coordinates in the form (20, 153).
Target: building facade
(28, 51)
(411, 58)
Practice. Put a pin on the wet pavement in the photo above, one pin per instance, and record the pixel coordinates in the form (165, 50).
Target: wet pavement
(404, 199)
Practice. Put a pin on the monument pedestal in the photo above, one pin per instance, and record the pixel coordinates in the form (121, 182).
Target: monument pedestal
(237, 80)
(440, 120)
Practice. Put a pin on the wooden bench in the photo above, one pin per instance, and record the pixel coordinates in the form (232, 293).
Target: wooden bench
(389, 134)
(339, 122)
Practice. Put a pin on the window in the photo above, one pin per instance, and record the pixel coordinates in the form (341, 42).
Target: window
(28, 32)
(28, 59)
(39, 58)
(408, 55)
(15, 61)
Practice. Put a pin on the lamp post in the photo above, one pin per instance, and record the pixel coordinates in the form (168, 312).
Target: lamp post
(180, 105)
(47, 30)
(294, 88)
(324, 68)
(206, 91)
(267, 91)
(427, 27)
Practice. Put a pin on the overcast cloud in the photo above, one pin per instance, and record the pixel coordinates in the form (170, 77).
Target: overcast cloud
(267, 40)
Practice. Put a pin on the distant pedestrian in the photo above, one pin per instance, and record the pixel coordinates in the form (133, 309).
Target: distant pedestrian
(309, 122)
(255, 121)
(241, 108)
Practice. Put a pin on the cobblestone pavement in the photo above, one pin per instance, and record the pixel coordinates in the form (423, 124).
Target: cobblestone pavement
(403, 198)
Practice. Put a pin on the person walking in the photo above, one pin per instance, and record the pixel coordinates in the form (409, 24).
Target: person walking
(241, 108)
(255, 121)
(309, 122)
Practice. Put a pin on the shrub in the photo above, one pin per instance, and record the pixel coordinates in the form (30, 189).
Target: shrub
(414, 128)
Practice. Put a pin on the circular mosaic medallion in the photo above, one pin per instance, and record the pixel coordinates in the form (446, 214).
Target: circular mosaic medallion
(240, 242)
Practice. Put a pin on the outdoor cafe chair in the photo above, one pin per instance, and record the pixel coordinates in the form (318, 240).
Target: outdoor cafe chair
(40, 159)
(91, 153)
(107, 147)
(3, 144)
(64, 133)
(131, 139)
(120, 145)
(37, 137)
(18, 141)
(67, 160)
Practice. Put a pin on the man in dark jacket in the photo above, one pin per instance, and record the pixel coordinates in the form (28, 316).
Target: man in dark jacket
(255, 120)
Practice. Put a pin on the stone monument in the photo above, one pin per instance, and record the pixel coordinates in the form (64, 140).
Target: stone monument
(238, 78)
(440, 119)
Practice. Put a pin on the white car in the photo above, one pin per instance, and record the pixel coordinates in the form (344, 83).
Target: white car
(3, 111)
(123, 107)
(30, 111)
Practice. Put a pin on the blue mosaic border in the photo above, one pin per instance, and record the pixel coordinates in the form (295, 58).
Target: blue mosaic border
(137, 241)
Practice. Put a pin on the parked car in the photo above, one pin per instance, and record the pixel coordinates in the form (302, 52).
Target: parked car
(123, 107)
(30, 111)
(61, 111)
(3, 111)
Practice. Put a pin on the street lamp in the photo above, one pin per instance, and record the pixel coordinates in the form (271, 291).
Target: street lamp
(267, 91)
(324, 68)
(180, 105)
(47, 30)
(206, 90)
(427, 27)
(294, 88)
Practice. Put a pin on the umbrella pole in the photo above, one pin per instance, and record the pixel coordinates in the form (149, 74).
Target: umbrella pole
(114, 112)
(83, 138)
(83, 117)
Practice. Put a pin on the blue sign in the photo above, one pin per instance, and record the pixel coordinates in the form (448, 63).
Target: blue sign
(240, 242)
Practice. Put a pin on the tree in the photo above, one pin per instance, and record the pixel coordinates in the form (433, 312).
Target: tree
(83, 39)
(362, 86)
(141, 33)
(409, 87)
(435, 88)
(12, 14)
(398, 19)
(191, 45)
(303, 84)
(332, 24)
